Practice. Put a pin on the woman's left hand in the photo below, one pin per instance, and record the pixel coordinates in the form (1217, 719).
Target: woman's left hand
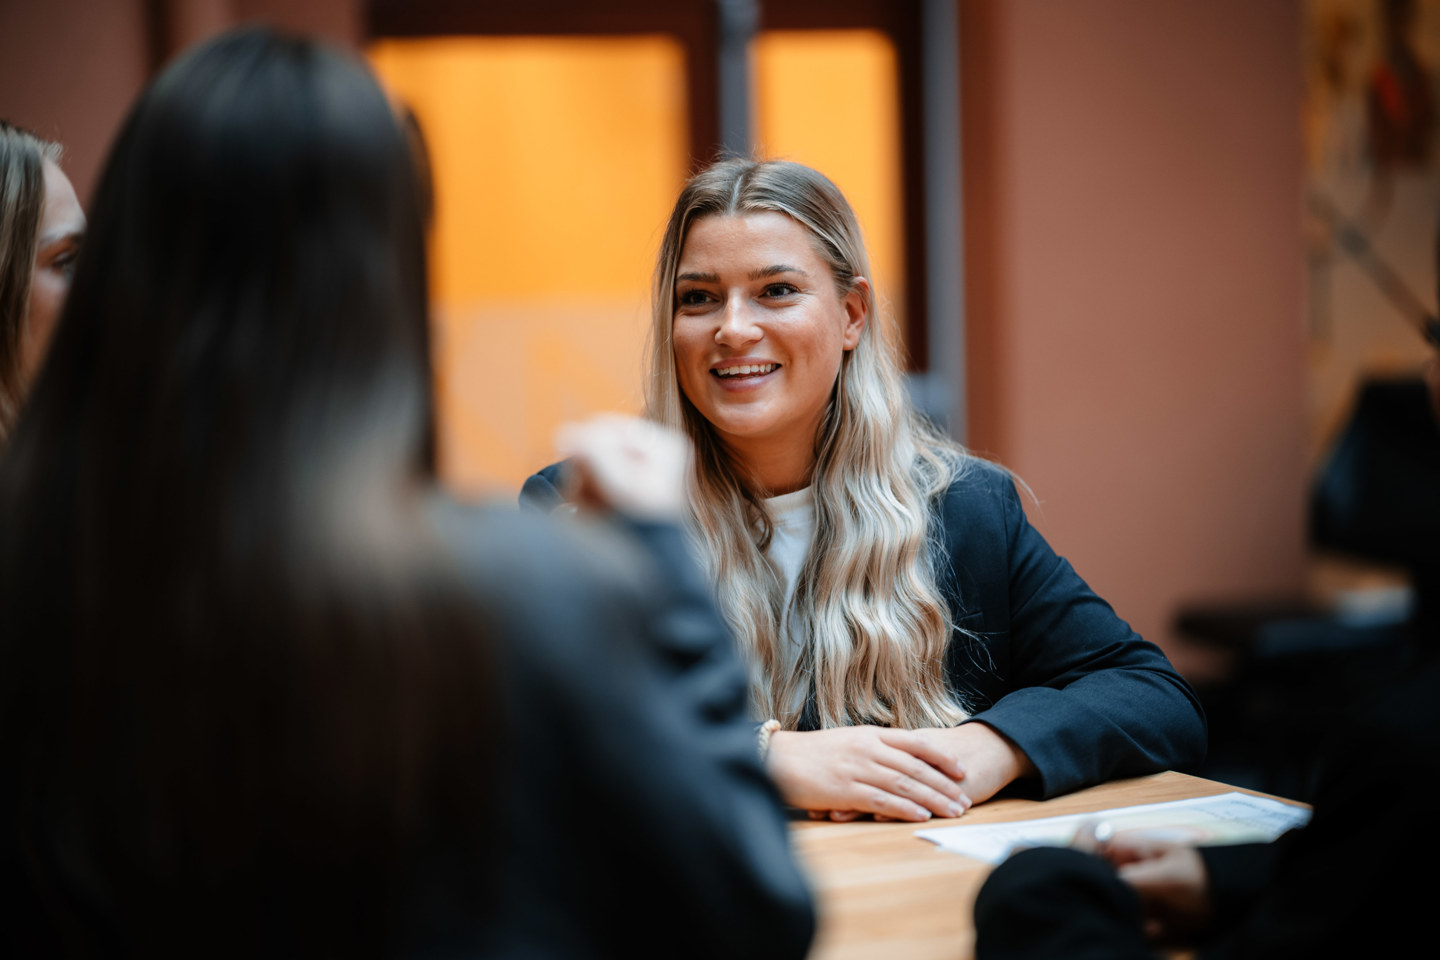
(990, 760)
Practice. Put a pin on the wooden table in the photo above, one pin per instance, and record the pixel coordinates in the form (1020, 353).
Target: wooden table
(885, 894)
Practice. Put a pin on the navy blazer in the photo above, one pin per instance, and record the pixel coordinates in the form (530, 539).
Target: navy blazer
(1035, 654)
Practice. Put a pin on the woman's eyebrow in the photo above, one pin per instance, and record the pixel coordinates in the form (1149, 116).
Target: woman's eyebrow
(68, 233)
(778, 268)
(699, 277)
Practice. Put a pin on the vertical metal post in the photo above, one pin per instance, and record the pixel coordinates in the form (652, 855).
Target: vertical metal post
(738, 22)
(944, 242)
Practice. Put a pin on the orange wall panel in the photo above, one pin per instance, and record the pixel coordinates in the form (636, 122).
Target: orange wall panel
(555, 163)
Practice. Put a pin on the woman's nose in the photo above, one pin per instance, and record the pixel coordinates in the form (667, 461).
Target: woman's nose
(738, 325)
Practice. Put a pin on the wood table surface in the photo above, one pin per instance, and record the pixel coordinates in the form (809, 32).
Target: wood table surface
(885, 894)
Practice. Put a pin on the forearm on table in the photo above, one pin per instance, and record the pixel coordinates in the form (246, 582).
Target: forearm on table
(1099, 728)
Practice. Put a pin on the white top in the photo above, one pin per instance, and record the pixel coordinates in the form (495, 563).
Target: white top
(793, 515)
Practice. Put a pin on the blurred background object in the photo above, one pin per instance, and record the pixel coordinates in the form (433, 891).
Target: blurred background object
(1373, 190)
(1294, 665)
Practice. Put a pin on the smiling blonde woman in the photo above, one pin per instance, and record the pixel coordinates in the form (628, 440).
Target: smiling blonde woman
(914, 643)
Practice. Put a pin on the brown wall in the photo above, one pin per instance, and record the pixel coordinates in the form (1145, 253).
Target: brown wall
(1133, 190)
(69, 69)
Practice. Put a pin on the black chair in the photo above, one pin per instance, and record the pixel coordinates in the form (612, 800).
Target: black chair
(1297, 668)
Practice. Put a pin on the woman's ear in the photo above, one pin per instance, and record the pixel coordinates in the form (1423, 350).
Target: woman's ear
(857, 311)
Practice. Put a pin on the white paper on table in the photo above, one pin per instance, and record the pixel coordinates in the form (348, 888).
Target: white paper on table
(1202, 821)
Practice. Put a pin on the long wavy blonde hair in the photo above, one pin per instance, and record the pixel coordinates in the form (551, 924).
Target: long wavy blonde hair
(877, 623)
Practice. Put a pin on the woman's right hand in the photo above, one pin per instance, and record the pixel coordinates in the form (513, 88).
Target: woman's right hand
(626, 464)
(894, 774)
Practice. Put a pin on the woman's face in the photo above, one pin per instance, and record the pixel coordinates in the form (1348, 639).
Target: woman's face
(62, 226)
(760, 330)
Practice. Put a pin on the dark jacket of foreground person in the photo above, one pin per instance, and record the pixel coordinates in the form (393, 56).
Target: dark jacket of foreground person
(630, 814)
(637, 819)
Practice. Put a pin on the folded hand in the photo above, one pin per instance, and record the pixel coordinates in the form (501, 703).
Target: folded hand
(848, 771)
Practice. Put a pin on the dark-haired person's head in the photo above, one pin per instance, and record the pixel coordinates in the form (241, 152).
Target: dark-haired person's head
(41, 225)
(256, 239)
(222, 694)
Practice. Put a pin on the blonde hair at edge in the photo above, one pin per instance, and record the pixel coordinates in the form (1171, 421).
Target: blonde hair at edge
(878, 624)
(22, 201)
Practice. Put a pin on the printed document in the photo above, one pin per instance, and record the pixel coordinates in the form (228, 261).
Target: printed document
(1203, 821)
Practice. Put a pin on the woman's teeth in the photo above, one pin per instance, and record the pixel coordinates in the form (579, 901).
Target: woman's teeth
(746, 370)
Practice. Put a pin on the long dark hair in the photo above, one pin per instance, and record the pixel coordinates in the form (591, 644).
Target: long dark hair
(239, 684)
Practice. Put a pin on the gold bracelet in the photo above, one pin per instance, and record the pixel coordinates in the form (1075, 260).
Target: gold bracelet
(763, 738)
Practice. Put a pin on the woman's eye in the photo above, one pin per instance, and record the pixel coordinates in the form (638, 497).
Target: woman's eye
(780, 290)
(63, 262)
(693, 298)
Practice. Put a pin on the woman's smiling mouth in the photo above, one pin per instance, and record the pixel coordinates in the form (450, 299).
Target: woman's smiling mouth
(743, 370)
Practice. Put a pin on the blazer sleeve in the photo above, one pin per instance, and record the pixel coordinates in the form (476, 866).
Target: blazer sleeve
(708, 843)
(686, 634)
(1083, 695)
(640, 811)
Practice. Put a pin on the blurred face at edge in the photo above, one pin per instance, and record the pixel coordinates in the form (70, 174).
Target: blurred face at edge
(62, 226)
